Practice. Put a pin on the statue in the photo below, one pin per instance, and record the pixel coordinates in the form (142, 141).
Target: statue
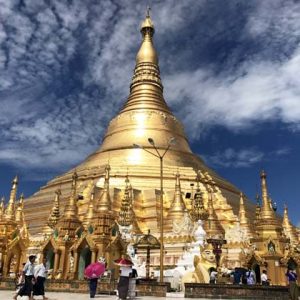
(202, 264)
(71, 261)
(59, 274)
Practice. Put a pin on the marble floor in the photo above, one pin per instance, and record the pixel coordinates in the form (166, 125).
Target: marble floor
(6, 295)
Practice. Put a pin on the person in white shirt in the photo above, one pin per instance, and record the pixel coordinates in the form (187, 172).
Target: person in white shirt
(28, 273)
(40, 275)
(213, 276)
(264, 278)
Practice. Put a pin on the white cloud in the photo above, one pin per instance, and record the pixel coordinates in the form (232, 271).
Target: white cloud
(235, 158)
(265, 92)
(65, 69)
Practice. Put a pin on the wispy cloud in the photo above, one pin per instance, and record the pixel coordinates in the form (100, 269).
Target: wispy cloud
(242, 158)
(235, 158)
(65, 71)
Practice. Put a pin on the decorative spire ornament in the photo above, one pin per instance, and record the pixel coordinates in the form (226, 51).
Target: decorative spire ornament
(19, 211)
(104, 203)
(71, 210)
(177, 208)
(198, 212)
(126, 212)
(10, 209)
(266, 210)
(55, 213)
(288, 228)
(2, 208)
(244, 222)
(90, 212)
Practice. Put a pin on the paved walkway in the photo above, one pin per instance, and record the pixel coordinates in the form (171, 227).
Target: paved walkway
(7, 295)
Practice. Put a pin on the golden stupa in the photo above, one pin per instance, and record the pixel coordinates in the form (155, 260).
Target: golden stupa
(79, 217)
(144, 115)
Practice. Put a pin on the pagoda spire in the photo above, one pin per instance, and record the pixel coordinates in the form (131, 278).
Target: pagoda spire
(104, 203)
(288, 228)
(19, 211)
(126, 213)
(90, 212)
(266, 210)
(2, 208)
(212, 225)
(244, 222)
(71, 208)
(55, 214)
(177, 209)
(146, 89)
(10, 209)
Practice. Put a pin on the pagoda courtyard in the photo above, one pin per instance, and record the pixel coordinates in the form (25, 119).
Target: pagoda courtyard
(144, 194)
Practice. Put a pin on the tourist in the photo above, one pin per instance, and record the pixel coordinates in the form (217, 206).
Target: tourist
(250, 277)
(28, 274)
(123, 284)
(40, 274)
(213, 276)
(264, 278)
(293, 287)
(132, 283)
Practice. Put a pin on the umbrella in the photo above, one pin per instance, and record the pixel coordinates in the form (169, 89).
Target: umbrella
(94, 270)
(123, 262)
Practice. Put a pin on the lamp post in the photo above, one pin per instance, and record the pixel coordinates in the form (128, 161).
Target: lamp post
(161, 157)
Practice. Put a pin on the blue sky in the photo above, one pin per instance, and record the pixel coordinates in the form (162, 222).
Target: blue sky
(230, 70)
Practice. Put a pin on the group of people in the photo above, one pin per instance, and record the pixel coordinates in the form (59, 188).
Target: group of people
(126, 284)
(31, 280)
(241, 276)
(249, 278)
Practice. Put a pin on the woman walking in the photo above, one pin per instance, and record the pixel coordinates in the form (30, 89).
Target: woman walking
(28, 274)
(123, 284)
(40, 275)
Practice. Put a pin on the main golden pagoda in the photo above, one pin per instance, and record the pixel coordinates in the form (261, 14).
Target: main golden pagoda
(73, 219)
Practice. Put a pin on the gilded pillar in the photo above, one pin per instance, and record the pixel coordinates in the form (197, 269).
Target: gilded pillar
(94, 254)
(76, 260)
(56, 261)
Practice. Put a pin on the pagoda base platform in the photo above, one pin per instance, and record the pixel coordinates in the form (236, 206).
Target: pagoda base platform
(228, 291)
(144, 288)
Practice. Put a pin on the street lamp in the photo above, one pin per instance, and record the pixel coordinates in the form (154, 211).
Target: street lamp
(171, 141)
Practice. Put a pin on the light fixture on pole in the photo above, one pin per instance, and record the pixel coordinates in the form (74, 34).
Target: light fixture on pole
(159, 155)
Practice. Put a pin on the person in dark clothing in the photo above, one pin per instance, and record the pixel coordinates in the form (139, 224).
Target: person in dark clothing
(93, 286)
(293, 287)
(40, 275)
(28, 273)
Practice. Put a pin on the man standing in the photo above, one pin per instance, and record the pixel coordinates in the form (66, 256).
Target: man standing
(264, 278)
(28, 273)
(250, 276)
(40, 275)
(292, 280)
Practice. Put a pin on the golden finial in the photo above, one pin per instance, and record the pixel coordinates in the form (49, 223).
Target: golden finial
(71, 207)
(288, 228)
(212, 225)
(10, 210)
(90, 212)
(177, 207)
(54, 214)
(19, 211)
(126, 212)
(266, 210)
(104, 203)
(147, 53)
(2, 208)
(244, 222)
